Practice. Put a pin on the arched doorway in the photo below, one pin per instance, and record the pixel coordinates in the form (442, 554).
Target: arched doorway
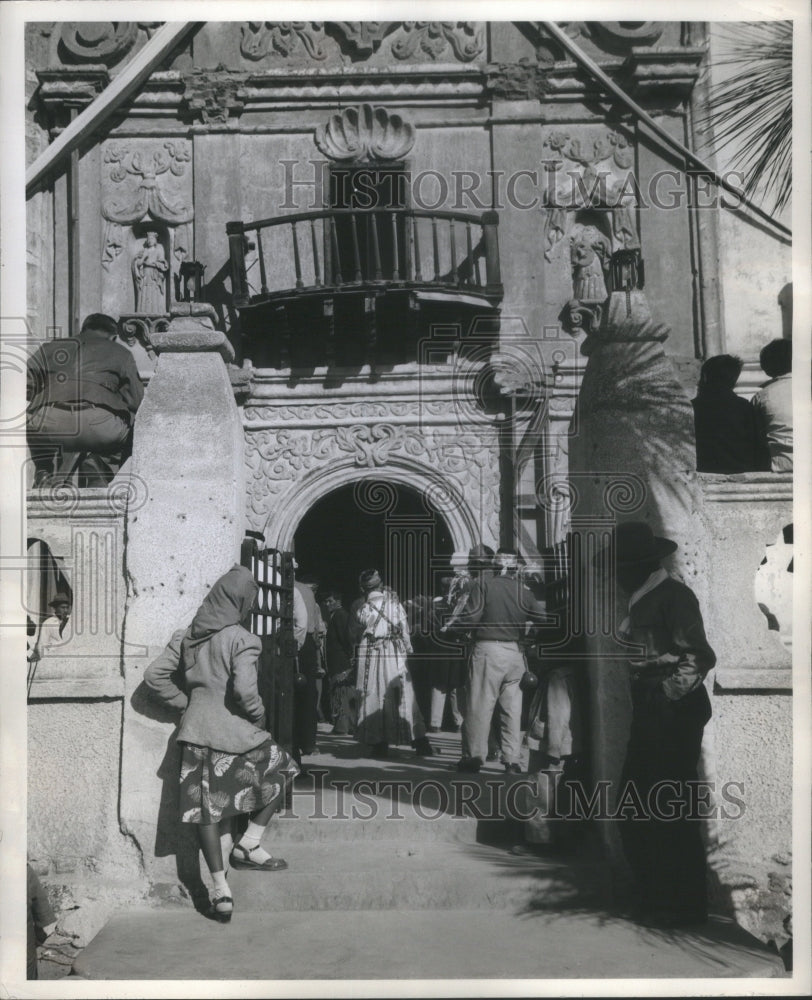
(375, 523)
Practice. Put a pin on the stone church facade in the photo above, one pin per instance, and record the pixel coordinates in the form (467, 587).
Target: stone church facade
(431, 344)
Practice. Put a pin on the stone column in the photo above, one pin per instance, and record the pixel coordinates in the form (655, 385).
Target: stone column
(189, 452)
(632, 457)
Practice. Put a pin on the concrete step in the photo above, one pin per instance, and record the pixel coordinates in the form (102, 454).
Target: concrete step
(395, 875)
(406, 945)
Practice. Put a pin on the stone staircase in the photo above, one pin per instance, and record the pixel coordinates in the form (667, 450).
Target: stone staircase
(392, 876)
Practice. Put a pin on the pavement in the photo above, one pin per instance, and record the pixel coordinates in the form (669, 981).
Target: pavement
(399, 870)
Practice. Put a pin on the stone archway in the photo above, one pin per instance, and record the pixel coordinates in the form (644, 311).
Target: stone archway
(281, 525)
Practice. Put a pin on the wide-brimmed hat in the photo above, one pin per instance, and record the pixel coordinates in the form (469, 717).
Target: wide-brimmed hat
(635, 542)
(60, 597)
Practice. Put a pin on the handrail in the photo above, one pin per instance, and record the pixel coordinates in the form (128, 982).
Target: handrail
(490, 218)
(337, 249)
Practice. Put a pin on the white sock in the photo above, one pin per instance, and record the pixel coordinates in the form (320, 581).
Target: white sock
(252, 836)
(220, 883)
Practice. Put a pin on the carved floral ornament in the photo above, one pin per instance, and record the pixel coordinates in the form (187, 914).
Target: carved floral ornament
(141, 194)
(279, 461)
(365, 133)
(464, 40)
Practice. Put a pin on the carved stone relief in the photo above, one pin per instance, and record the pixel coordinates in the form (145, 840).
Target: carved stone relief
(365, 132)
(465, 40)
(146, 188)
(413, 41)
(100, 41)
(461, 469)
(259, 38)
(591, 168)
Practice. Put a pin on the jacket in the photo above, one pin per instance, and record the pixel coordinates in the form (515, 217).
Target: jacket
(219, 697)
(667, 622)
(500, 608)
(88, 369)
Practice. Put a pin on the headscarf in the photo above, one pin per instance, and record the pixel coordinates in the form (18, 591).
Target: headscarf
(227, 603)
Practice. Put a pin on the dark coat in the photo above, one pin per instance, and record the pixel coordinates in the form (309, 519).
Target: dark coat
(89, 369)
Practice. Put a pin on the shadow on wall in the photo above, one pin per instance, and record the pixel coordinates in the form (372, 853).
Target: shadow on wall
(171, 836)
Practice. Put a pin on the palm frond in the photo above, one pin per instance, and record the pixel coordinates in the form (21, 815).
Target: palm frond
(751, 110)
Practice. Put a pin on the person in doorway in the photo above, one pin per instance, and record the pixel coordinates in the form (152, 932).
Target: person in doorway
(773, 404)
(446, 666)
(387, 710)
(340, 665)
(55, 630)
(499, 611)
(727, 436)
(230, 764)
(306, 696)
(83, 395)
(670, 708)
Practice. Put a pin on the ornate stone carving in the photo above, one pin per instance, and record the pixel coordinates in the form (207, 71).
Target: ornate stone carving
(579, 318)
(622, 35)
(96, 41)
(517, 81)
(214, 96)
(149, 269)
(589, 253)
(145, 197)
(360, 38)
(259, 38)
(365, 133)
(590, 171)
(464, 465)
(433, 38)
(138, 330)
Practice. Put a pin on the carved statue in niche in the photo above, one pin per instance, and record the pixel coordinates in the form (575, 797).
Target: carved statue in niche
(149, 269)
(589, 254)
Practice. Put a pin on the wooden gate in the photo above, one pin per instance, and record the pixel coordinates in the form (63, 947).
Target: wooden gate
(272, 621)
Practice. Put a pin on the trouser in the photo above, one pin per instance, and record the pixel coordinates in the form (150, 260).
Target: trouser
(305, 718)
(666, 855)
(92, 429)
(494, 672)
(444, 684)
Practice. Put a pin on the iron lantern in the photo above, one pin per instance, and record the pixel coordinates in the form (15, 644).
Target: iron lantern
(191, 275)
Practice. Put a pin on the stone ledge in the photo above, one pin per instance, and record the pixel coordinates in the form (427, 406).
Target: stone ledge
(753, 487)
(76, 688)
(773, 679)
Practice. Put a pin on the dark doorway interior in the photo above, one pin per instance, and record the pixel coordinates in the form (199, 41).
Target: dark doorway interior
(390, 527)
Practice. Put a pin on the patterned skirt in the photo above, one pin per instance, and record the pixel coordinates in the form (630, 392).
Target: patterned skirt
(215, 785)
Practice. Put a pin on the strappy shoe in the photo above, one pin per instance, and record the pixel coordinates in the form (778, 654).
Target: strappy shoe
(220, 909)
(243, 860)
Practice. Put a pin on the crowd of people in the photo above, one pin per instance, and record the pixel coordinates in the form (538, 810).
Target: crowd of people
(372, 656)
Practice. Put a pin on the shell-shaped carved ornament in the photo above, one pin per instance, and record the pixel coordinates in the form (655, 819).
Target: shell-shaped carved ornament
(365, 133)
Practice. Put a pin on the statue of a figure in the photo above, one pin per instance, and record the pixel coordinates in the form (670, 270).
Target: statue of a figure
(589, 254)
(149, 271)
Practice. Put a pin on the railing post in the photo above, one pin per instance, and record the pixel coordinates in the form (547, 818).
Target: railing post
(490, 233)
(315, 242)
(263, 277)
(239, 278)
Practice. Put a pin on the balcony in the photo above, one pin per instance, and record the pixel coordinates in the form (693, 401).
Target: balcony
(349, 286)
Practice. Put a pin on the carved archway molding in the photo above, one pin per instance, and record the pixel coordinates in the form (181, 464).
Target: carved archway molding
(290, 508)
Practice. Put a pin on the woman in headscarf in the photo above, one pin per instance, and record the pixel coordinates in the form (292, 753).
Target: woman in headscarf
(229, 762)
(387, 711)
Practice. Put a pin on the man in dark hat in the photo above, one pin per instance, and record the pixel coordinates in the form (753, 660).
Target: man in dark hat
(670, 707)
(83, 394)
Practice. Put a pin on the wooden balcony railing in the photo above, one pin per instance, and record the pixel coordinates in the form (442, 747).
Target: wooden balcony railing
(336, 250)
